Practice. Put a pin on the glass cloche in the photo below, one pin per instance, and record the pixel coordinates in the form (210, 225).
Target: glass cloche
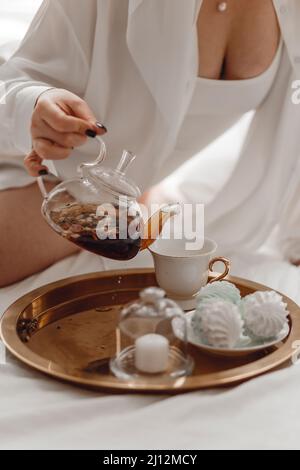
(151, 340)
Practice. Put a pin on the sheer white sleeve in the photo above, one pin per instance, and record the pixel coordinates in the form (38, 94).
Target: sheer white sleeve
(56, 52)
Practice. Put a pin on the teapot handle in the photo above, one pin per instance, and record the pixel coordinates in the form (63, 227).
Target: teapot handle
(42, 187)
(99, 159)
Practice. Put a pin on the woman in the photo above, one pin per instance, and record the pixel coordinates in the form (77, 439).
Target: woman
(166, 78)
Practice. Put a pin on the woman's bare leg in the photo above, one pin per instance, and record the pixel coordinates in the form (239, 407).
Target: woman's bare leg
(27, 244)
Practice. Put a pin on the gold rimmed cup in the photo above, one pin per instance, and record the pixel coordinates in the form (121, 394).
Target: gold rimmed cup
(182, 271)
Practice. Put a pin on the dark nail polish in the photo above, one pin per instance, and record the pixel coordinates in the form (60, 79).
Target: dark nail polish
(101, 126)
(43, 172)
(91, 133)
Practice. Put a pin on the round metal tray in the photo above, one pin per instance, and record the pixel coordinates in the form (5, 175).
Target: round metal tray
(67, 330)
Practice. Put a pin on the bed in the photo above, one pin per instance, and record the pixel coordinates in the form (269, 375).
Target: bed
(39, 413)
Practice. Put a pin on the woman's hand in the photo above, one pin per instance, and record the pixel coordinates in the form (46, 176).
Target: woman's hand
(60, 122)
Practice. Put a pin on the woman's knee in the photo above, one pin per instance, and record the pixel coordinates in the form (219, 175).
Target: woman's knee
(27, 244)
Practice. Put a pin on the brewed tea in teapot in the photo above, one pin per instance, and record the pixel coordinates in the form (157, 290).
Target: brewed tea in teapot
(99, 211)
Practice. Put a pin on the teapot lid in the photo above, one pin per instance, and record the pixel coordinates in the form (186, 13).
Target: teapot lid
(115, 180)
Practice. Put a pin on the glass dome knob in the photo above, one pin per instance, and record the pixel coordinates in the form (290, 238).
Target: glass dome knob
(152, 294)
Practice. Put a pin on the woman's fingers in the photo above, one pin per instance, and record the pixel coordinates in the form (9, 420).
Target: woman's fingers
(44, 149)
(81, 109)
(67, 140)
(60, 121)
(33, 164)
(48, 150)
(66, 112)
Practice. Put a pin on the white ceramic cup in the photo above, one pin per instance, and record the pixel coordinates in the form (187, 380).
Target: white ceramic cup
(182, 272)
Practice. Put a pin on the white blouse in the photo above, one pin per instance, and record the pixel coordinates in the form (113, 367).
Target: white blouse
(135, 63)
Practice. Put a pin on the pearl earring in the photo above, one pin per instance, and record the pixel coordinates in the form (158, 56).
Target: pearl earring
(222, 7)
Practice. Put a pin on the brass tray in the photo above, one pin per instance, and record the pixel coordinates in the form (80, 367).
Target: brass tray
(67, 330)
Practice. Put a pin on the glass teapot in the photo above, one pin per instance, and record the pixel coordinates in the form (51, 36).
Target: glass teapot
(99, 210)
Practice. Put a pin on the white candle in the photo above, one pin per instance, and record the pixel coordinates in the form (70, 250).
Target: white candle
(151, 353)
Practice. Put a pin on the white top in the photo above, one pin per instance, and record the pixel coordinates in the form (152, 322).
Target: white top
(218, 104)
(223, 97)
(126, 74)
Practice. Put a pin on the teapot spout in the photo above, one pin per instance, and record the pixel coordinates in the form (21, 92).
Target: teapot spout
(155, 224)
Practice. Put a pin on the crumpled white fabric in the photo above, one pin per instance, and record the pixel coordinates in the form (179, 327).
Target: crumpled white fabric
(37, 413)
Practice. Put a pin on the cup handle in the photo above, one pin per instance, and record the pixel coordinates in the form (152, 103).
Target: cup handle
(226, 263)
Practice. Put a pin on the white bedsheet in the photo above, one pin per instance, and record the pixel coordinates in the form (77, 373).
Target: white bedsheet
(37, 412)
